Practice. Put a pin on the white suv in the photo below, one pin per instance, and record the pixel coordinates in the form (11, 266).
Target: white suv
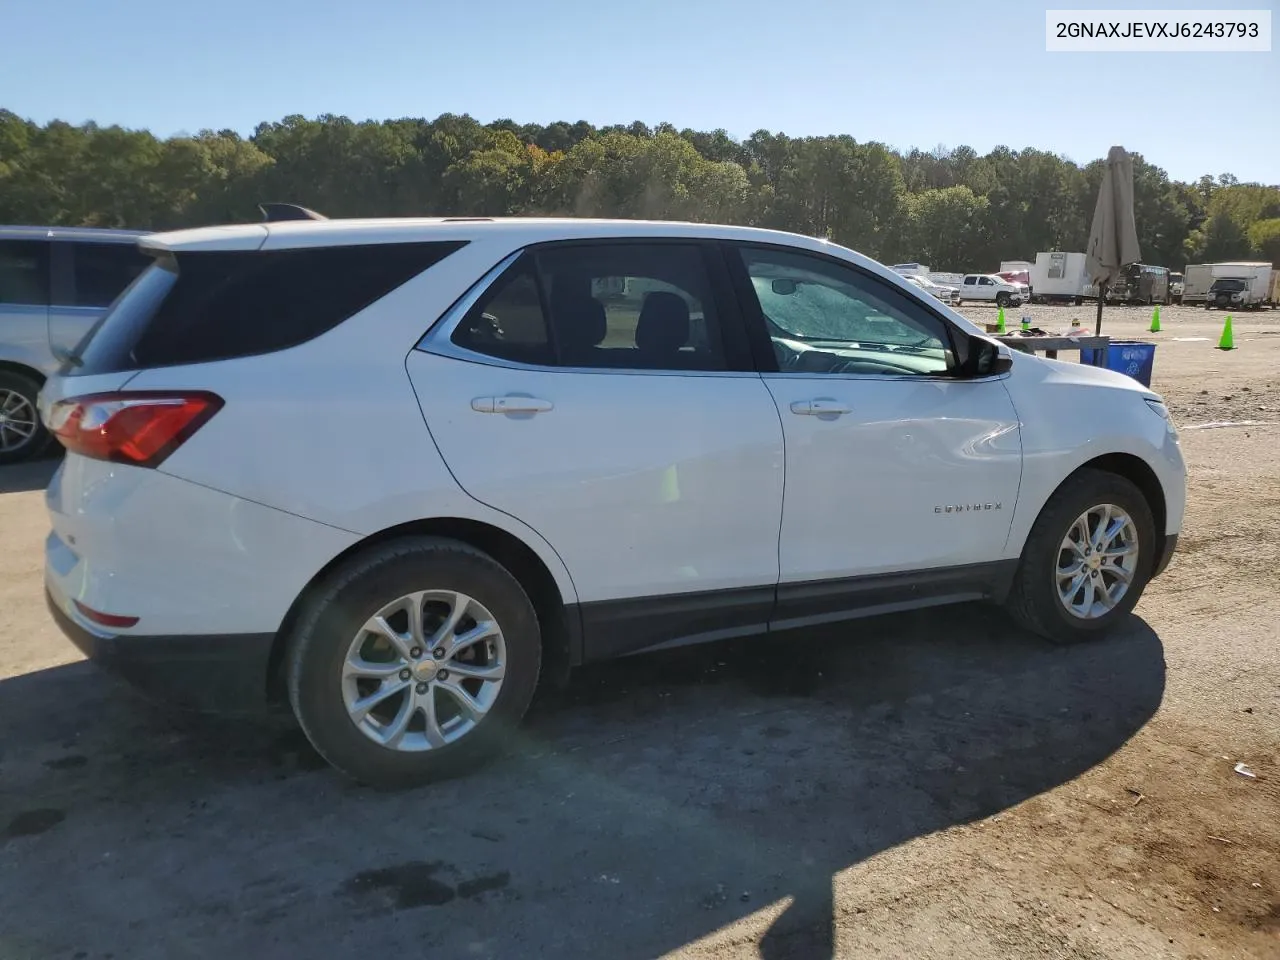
(394, 472)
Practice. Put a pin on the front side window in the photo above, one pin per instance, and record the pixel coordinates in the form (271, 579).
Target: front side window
(621, 306)
(985, 281)
(827, 318)
(24, 272)
(103, 270)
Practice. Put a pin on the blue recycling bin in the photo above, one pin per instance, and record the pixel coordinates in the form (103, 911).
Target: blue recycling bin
(1134, 358)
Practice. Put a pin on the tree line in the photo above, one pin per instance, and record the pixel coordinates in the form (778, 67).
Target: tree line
(953, 209)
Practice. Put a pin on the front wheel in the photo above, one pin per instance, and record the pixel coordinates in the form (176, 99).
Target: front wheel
(1087, 559)
(415, 661)
(1002, 299)
(22, 435)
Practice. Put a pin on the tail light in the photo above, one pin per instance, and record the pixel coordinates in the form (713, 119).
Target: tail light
(140, 428)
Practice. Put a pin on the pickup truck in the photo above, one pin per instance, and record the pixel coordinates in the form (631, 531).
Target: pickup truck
(990, 288)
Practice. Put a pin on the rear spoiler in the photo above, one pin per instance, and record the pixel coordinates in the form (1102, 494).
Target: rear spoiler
(275, 212)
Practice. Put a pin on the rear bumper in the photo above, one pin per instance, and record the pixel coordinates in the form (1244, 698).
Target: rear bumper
(224, 674)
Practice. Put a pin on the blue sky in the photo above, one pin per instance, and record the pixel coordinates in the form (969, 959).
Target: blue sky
(920, 74)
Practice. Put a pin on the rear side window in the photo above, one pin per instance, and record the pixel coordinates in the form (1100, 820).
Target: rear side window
(24, 272)
(620, 305)
(103, 270)
(508, 321)
(215, 305)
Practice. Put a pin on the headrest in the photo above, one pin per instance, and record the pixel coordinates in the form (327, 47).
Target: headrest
(663, 326)
(579, 318)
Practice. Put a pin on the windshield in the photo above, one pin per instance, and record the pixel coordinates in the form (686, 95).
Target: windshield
(820, 311)
(1229, 285)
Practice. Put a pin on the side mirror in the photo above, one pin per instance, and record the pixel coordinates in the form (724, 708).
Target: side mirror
(986, 358)
(784, 288)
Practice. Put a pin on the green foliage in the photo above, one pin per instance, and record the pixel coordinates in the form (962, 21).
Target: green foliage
(1264, 237)
(954, 209)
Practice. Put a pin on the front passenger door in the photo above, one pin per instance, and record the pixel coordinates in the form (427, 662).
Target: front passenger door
(893, 464)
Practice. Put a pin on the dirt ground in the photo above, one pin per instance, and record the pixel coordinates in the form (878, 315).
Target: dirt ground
(933, 785)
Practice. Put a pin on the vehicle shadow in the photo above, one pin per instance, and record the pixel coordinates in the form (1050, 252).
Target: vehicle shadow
(30, 475)
(654, 801)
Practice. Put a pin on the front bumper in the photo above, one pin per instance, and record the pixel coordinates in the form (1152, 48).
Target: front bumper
(223, 674)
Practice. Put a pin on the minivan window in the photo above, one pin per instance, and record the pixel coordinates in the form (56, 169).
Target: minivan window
(24, 272)
(103, 270)
(201, 306)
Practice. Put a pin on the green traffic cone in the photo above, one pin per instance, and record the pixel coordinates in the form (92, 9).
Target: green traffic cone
(1155, 320)
(1227, 341)
(1000, 321)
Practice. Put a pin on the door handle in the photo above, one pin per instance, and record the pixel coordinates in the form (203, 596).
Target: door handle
(510, 405)
(820, 408)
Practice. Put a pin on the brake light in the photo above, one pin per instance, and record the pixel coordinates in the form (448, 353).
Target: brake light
(140, 428)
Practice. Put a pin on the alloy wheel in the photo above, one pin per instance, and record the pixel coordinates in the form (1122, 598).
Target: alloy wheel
(1097, 561)
(18, 421)
(424, 670)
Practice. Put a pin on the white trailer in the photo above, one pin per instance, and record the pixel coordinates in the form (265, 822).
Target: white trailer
(1015, 266)
(1059, 276)
(1196, 279)
(911, 269)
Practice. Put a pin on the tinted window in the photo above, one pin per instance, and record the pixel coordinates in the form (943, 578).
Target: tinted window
(103, 270)
(612, 305)
(202, 306)
(827, 318)
(631, 305)
(24, 272)
(508, 321)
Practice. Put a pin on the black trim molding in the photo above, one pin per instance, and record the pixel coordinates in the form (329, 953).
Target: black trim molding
(613, 628)
(221, 674)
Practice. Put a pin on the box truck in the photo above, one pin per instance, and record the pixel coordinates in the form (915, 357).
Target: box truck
(1258, 285)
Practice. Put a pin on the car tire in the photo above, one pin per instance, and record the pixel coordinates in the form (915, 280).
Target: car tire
(331, 649)
(1002, 299)
(18, 394)
(1038, 599)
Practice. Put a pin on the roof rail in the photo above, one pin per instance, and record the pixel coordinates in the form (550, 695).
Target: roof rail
(275, 212)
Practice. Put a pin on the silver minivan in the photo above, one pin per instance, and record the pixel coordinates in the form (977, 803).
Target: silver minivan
(55, 282)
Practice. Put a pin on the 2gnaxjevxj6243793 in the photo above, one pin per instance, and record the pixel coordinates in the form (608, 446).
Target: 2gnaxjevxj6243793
(394, 472)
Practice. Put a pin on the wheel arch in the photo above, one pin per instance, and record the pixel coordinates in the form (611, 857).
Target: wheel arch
(22, 369)
(557, 616)
(1138, 472)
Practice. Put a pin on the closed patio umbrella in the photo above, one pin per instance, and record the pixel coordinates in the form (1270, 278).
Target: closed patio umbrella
(1113, 239)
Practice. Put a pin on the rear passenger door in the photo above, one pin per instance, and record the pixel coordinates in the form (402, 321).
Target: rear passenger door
(24, 303)
(603, 394)
(87, 278)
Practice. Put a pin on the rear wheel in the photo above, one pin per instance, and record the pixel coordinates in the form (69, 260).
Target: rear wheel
(415, 662)
(22, 435)
(1087, 559)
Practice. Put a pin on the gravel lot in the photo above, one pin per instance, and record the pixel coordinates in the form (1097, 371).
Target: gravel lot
(933, 785)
